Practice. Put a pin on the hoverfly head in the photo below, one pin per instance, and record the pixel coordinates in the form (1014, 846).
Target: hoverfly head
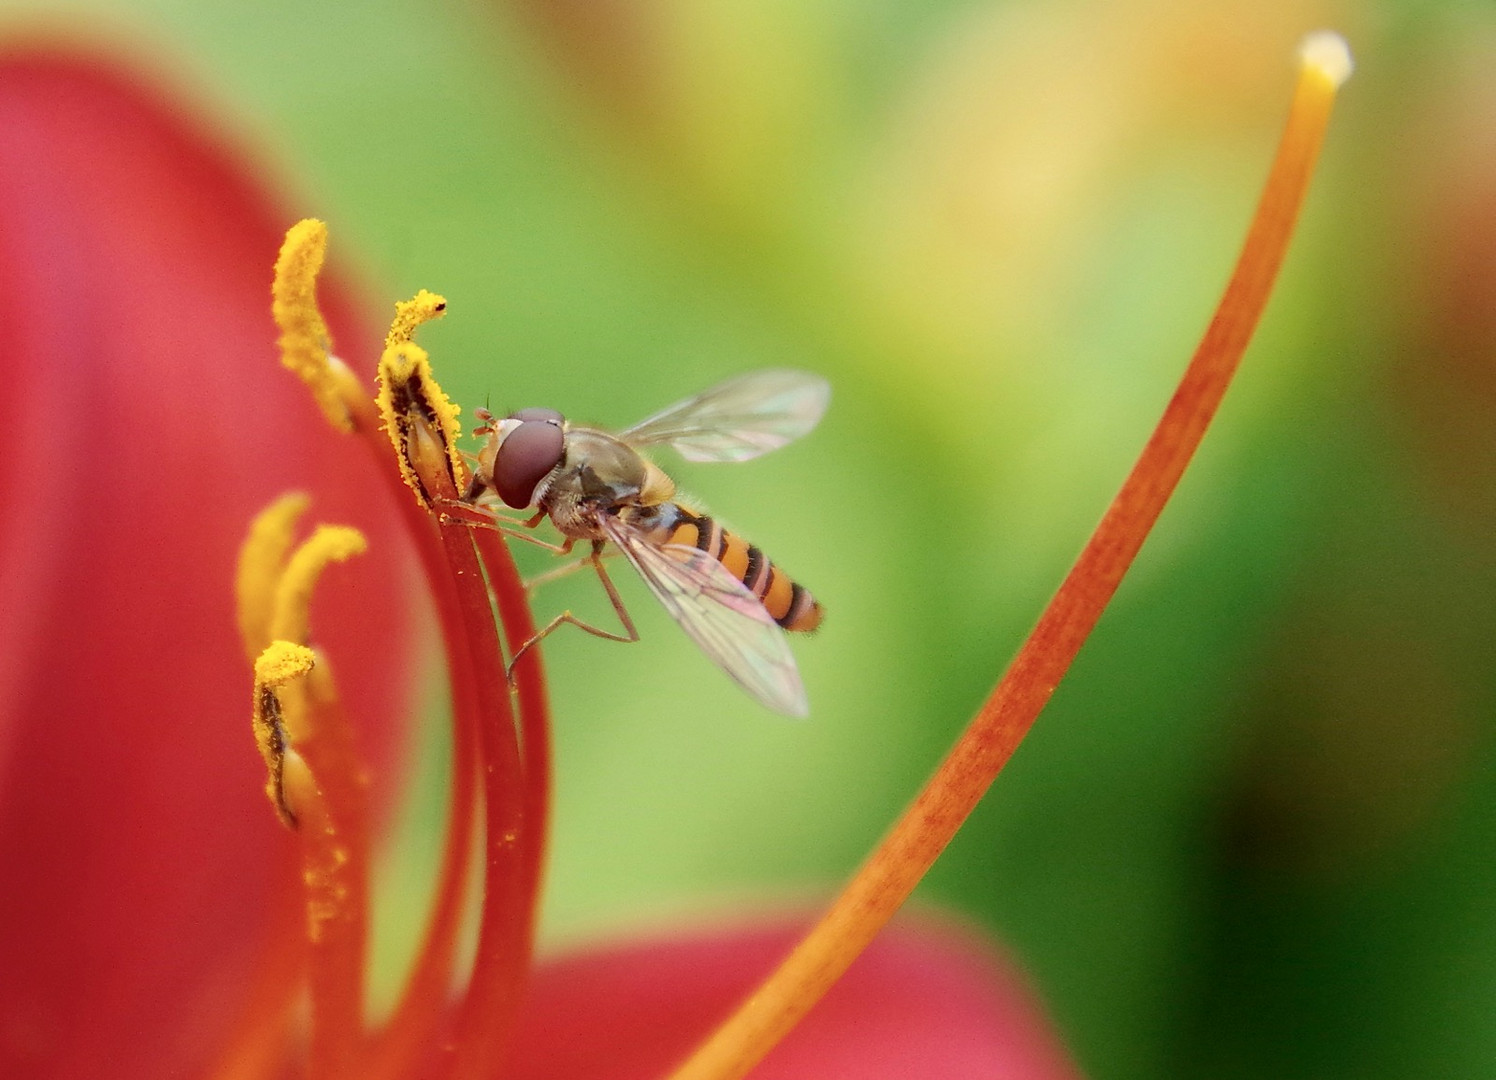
(531, 443)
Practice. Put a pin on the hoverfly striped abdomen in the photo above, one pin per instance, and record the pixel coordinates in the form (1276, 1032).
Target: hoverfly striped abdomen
(790, 604)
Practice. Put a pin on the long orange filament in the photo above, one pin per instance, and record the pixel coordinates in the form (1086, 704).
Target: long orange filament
(883, 883)
(534, 708)
(421, 1007)
(421, 425)
(480, 716)
(334, 868)
(505, 939)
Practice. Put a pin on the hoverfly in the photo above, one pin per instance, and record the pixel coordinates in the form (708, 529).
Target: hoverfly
(597, 486)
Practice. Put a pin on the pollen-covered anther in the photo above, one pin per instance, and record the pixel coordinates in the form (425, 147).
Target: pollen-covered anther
(262, 562)
(291, 614)
(305, 346)
(409, 314)
(282, 662)
(421, 423)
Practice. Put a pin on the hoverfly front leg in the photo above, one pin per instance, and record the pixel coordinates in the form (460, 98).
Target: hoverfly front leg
(484, 517)
(595, 560)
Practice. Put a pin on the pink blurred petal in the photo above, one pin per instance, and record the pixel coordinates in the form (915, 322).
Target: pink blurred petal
(924, 1002)
(147, 420)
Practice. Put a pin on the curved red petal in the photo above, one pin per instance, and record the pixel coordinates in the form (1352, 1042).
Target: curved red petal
(922, 1003)
(148, 420)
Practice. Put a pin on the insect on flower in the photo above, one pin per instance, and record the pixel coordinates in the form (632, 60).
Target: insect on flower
(596, 486)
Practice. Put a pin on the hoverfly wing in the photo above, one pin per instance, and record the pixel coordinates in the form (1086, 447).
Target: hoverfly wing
(727, 621)
(738, 419)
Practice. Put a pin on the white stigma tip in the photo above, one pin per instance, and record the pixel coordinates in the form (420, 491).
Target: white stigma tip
(1327, 52)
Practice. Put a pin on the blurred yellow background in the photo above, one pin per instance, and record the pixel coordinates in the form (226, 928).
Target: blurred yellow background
(1252, 835)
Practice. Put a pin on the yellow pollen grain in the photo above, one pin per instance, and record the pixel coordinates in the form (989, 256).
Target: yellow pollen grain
(416, 409)
(304, 343)
(409, 314)
(262, 560)
(291, 617)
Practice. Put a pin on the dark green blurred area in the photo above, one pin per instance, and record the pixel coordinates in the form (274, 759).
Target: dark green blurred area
(1252, 836)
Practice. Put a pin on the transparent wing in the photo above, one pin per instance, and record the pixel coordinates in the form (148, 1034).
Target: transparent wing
(738, 419)
(720, 615)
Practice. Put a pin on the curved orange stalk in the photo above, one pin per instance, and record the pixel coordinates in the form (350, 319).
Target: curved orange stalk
(422, 1007)
(295, 711)
(335, 875)
(422, 426)
(333, 813)
(534, 708)
(505, 936)
(883, 883)
(316, 779)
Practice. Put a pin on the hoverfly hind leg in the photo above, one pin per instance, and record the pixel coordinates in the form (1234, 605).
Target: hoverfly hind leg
(629, 636)
(564, 570)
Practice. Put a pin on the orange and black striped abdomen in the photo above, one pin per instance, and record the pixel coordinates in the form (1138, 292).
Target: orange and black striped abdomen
(790, 604)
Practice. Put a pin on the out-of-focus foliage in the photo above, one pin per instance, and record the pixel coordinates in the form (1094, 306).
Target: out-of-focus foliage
(1251, 836)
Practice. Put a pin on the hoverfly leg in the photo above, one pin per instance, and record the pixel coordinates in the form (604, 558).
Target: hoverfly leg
(630, 635)
(481, 517)
(531, 538)
(469, 513)
(565, 570)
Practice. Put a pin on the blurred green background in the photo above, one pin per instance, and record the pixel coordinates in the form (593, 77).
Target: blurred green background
(1253, 835)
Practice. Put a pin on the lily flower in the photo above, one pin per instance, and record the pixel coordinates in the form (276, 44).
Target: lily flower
(153, 914)
(839, 1002)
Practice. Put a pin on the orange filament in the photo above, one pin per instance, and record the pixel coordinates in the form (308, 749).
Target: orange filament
(317, 785)
(534, 709)
(421, 425)
(890, 874)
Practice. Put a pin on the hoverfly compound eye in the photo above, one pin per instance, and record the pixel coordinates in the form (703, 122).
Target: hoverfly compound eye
(532, 449)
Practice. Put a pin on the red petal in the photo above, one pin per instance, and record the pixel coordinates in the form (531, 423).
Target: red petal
(148, 419)
(924, 1004)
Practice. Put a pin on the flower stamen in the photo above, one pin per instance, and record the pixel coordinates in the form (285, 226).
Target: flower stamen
(316, 780)
(262, 561)
(305, 346)
(422, 425)
(421, 421)
(281, 662)
(890, 874)
(291, 615)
